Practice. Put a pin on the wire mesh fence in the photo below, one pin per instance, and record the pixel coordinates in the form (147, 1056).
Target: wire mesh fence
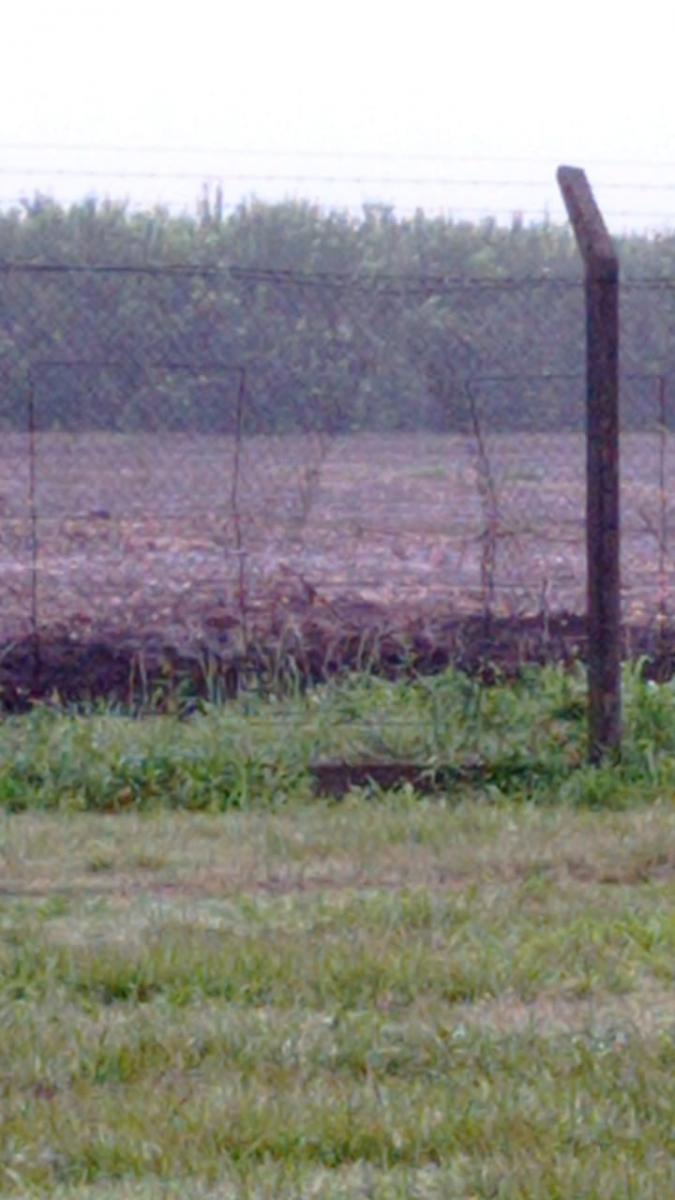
(201, 454)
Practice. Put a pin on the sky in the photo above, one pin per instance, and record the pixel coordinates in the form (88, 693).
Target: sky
(451, 106)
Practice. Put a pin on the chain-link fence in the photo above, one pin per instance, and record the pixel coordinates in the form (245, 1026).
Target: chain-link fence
(201, 456)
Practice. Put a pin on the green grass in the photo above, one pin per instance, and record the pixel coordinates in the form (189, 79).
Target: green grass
(235, 989)
(391, 998)
(526, 739)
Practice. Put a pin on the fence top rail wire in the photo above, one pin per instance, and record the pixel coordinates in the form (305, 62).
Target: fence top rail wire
(292, 277)
(340, 279)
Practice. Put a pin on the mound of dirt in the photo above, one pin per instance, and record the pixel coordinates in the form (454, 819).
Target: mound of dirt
(291, 644)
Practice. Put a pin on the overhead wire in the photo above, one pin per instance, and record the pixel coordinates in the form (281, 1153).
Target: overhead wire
(374, 154)
(448, 208)
(216, 176)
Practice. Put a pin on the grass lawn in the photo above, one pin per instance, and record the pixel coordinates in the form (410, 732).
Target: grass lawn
(463, 996)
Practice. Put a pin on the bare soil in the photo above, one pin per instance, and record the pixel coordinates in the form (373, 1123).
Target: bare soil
(131, 561)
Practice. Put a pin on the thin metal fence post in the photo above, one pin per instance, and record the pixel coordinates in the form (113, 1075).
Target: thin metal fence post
(602, 462)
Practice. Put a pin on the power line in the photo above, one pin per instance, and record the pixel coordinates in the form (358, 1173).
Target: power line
(318, 154)
(270, 177)
(252, 178)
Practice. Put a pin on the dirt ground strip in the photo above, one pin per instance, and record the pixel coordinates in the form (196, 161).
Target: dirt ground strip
(131, 563)
(134, 665)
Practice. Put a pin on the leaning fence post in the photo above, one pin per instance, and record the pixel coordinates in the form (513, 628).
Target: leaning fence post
(602, 461)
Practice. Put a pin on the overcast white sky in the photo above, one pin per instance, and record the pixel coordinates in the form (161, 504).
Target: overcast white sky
(365, 92)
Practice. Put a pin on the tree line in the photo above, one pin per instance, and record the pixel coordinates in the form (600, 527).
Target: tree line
(125, 321)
